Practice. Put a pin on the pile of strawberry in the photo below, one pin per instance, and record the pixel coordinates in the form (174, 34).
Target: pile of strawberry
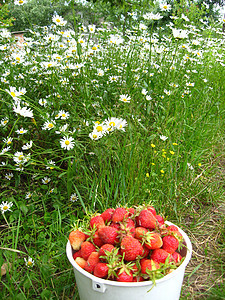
(127, 245)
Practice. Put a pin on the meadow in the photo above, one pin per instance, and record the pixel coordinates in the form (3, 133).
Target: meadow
(95, 117)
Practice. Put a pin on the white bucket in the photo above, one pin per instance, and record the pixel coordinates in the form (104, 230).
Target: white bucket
(91, 287)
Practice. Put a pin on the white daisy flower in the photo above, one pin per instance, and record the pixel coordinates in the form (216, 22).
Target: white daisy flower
(21, 131)
(27, 145)
(73, 198)
(67, 143)
(95, 135)
(29, 262)
(9, 176)
(59, 20)
(163, 137)
(5, 206)
(46, 180)
(125, 98)
(28, 195)
(48, 125)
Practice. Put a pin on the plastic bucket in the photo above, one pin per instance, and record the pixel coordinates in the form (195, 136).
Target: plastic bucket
(91, 287)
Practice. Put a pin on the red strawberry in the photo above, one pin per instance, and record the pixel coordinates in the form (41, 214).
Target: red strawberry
(131, 248)
(152, 210)
(160, 220)
(76, 238)
(172, 228)
(159, 255)
(119, 214)
(77, 254)
(145, 252)
(124, 276)
(96, 240)
(101, 270)
(108, 235)
(149, 265)
(176, 257)
(153, 240)
(97, 222)
(147, 219)
(138, 279)
(170, 243)
(86, 249)
(92, 261)
(107, 214)
(115, 225)
(104, 248)
(127, 227)
(140, 232)
(80, 261)
(131, 211)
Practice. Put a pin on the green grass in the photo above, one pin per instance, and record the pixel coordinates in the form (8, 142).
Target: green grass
(181, 176)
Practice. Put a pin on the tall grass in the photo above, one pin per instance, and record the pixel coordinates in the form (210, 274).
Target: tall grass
(166, 152)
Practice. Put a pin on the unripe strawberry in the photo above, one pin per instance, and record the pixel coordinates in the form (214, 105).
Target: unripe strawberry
(107, 214)
(86, 249)
(101, 270)
(76, 238)
(80, 261)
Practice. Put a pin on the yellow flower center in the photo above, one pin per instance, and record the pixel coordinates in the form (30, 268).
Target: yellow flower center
(95, 136)
(49, 65)
(50, 125)
(9, 142)
(63, 115)
(5, 122)
(58, 20)
(21, 131)
(94, 48)
(67, 142)
(29, 263)
(112, 124)
(99, 128)
(20, 157)
(18, 58)
(13, 94)
(5, 207)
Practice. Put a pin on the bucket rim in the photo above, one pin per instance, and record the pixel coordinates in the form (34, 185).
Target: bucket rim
(134, 284)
